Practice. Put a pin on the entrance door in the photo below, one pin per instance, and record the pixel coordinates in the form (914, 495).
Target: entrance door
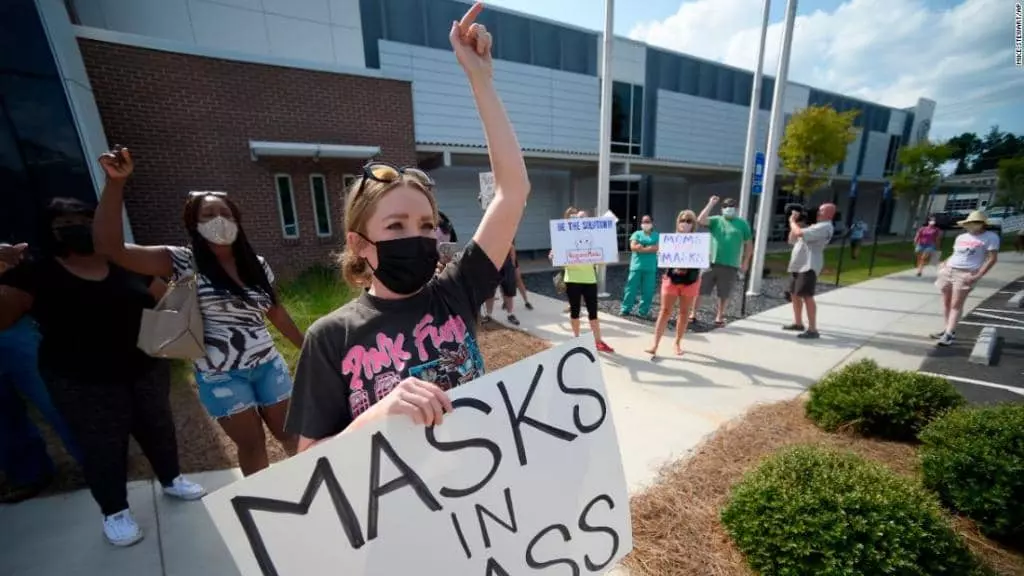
(624, 201)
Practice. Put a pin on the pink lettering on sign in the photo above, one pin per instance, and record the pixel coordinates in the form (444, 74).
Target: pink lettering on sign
(361, 362)
(452, 330)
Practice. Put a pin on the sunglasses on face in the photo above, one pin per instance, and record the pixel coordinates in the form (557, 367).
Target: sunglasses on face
(685, 222)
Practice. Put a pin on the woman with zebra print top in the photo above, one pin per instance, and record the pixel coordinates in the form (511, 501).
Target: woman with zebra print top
(243, 381)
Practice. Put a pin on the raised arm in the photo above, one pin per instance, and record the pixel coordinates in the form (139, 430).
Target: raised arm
(702, 218)
(108, 226)
(472, 45)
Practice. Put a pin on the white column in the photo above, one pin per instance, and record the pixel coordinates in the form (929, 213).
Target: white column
(771, 159)
(604, 152)
(755, 106)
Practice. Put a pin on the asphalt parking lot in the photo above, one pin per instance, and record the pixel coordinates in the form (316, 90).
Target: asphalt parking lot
(1003, 381)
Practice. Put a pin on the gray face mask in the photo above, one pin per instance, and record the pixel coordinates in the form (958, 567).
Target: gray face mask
(729, 211)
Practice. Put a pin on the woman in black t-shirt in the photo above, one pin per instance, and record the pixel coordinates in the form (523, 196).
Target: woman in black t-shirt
(105, 388)
(410, 335)
(677, 284)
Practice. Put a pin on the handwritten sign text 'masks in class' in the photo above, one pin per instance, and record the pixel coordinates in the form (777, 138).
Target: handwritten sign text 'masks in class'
(523, 477)
(684, 250)
(584, 241)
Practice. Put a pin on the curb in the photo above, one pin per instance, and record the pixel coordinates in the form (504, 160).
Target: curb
(984, 346)
(1017, 300)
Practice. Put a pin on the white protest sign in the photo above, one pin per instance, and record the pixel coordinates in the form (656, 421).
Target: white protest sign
(486, 189)
(524, 475)
(684, 250)
(584, 241)
(1013, 223)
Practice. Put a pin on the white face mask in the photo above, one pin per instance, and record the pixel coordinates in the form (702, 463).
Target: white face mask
(219, 230)
(729, 211)
(646, 227)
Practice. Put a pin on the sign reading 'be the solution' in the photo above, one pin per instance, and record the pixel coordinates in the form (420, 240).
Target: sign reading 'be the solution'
(523, 477)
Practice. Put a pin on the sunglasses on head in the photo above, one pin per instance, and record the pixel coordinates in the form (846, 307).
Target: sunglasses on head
(389, 173)
(198, 193)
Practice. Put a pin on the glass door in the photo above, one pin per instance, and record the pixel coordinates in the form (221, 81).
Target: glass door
(624, 202)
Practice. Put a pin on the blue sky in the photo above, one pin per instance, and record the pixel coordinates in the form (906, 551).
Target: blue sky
(956, 52)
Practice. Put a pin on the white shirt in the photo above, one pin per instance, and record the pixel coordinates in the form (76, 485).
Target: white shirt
(970, 250)
(809, 250)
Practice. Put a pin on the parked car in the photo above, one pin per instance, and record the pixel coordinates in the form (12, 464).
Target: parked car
(948, 220)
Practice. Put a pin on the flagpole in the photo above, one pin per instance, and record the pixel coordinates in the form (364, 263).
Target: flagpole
(771, 160)
(605, 144)
(755, 106)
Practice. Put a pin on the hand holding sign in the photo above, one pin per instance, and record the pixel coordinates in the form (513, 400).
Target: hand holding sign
(422, 401)
(472, 45)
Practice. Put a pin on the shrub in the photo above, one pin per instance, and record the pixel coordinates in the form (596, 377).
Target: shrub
(974, 459)
(818, 512)
(880, 402)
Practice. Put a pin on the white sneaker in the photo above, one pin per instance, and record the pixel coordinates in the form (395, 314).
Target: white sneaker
(945, 340)
(184, 489)
(121, 529)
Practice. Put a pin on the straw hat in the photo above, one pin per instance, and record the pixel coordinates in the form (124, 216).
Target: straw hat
(976, 216)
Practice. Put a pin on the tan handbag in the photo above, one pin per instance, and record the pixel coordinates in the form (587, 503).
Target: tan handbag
(174, 328)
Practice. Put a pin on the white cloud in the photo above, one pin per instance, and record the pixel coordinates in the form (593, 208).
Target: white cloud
(887, 51)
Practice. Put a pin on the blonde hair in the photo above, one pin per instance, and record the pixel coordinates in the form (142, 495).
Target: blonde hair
(687, 213)
(360, 204)
(570, 212)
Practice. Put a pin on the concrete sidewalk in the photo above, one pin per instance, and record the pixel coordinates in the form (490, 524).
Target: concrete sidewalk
(662, 410)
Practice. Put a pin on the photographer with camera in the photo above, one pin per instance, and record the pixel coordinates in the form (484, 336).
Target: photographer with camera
(805, 263)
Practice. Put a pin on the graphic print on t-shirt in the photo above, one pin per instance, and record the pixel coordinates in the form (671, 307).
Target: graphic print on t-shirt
(444, 353)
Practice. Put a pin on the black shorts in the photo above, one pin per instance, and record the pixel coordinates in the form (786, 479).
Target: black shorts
(855, 243)
(508, 279)
(802, 284)
(585, 292)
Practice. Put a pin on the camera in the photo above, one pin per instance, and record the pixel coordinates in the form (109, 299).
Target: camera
(806, 215)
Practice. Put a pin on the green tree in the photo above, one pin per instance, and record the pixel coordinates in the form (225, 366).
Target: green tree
(919, 173)
(1011, 182)
(965, 150)
(816, 139)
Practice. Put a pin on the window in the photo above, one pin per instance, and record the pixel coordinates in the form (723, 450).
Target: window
(321, 204)
(547, 46)
(513, 38)
(892, 154)
(404, 22)
(627, 118)
(346, 181)
(286, 206)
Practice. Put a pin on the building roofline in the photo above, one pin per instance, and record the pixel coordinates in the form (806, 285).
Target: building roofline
(162, 45)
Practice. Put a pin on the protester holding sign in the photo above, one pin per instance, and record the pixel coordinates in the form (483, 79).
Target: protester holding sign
(581, 288)
(243, 380)
(643, 269)
(411, 334)
(682, 284)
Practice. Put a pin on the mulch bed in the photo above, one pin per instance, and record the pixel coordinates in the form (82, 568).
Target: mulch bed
(676, 528)
(203, 446)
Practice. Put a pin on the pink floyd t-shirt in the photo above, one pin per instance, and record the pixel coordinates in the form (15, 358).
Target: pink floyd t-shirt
(357, 354)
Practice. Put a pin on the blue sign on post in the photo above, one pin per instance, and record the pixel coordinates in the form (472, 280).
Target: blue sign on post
(887, 191)
(758, 182)
(853, 186)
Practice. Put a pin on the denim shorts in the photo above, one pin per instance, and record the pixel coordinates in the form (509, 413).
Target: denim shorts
(224, 394)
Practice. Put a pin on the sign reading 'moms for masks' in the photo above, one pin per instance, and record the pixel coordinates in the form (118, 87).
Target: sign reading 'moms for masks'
(523, 477)
(684, 250)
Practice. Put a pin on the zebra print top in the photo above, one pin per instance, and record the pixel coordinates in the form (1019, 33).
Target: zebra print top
(234, 331)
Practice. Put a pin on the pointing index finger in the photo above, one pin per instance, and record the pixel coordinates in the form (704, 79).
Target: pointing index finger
(471, 15)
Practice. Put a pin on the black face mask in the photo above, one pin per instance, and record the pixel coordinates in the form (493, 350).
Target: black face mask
(404, 265)
(74, 239)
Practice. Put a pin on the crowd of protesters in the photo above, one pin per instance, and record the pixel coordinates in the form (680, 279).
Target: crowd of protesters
(71, 311)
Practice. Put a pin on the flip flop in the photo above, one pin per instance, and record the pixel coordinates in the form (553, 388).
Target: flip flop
(720, 323)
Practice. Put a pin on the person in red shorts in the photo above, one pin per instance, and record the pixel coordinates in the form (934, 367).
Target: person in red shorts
(678, 284)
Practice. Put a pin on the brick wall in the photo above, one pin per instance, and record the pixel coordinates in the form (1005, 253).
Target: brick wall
(188, 121)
